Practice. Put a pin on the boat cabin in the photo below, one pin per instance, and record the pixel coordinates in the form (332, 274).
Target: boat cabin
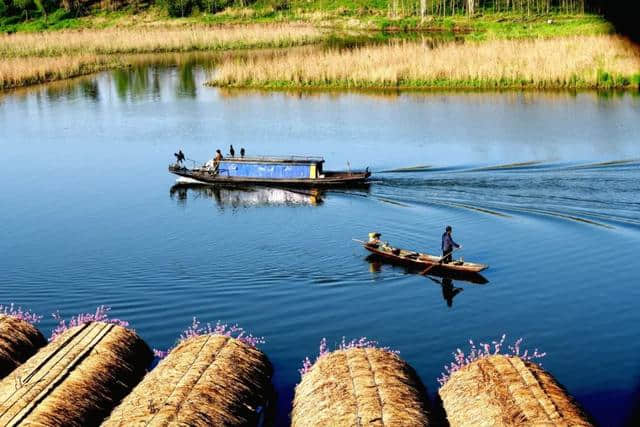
(292, 167)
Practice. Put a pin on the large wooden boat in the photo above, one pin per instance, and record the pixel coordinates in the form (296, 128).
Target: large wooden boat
(290, 171)
(421, 261)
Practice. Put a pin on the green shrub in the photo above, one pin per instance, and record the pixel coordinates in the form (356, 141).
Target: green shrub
(279, 5)
(179, 8)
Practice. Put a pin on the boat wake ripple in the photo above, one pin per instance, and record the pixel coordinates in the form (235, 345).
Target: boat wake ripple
(600, 195)
(526, 166)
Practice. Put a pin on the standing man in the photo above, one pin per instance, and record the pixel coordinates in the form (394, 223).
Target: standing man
(216, 161)
(447, 245)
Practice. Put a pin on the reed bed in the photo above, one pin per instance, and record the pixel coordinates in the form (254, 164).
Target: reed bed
(30, 58)
(206, 380)
(76, 379)
(153, 39)
(360, 386)
(571, 62)
(16, 72)
(508, 391)
(19, 340)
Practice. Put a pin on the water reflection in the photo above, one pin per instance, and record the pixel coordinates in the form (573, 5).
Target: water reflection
(134, 82)
(445, 280)
(449, 291)
(237, 197)
(186, 86)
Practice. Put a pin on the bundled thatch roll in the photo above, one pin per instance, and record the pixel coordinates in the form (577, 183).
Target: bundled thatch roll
(19, 340)
(75, 380)
(360, 386)
(209, 380)
(507, 391)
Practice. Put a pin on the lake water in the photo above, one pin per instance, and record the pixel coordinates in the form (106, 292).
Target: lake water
(91, 216)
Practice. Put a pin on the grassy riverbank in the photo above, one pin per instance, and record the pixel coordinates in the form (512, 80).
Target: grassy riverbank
(574, 62)
(62, 46)
(341, 15)
(30, 58)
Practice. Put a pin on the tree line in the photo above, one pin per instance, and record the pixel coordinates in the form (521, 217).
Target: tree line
(471, 7)
(26, 9)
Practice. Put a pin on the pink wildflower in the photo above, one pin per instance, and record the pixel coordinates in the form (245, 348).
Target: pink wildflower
(363, 342)
(19, 313)
(101, 315)
(196, 330)
(461, 360)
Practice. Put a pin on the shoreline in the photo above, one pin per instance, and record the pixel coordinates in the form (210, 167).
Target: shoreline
(587, 62)
(31, 58)
(441, 86)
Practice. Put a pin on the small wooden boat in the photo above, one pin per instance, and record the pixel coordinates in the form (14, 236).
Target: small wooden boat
(290, 171)
(420, 260)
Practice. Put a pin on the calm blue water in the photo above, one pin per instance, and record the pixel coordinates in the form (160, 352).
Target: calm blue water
(89, 217)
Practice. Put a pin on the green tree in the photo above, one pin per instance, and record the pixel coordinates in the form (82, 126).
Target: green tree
(180, 8)
(40, 7)
(23, 6)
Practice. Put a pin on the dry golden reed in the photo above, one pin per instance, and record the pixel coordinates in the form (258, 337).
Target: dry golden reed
(589, 61)
(76, 379)
(507, 391)
(153, 39)
(29, 58)
(19, 340)
(360, 386)
(209, 380)
(31, 70)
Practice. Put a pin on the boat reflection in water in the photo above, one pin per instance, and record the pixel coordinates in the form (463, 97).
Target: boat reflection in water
(246, 196)
(445, 280)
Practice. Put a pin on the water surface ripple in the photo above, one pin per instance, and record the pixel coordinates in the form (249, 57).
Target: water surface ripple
(543, 187)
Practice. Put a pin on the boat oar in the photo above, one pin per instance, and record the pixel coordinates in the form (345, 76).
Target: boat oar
(428, 269)
(362, 242)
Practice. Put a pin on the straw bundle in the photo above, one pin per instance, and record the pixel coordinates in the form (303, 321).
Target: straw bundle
(208, 380)
(19, 340)
(76, 379)
(507, 391)
(360, 386)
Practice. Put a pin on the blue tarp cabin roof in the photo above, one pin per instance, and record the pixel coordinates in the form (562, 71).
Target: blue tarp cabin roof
(271, 167)
(276, 159)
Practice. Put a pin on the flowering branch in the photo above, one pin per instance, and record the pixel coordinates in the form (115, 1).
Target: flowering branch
(460, 359)
(196, 330)
(101, 315)
(19, 313)
(363, 342)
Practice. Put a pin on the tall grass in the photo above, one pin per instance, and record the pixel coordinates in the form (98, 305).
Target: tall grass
(16, 72)
(152, 39)
(29, 58)
(604, 61)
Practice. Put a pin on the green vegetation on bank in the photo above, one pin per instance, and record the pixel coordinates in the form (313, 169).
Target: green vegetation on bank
(606, 81)
(490, 21)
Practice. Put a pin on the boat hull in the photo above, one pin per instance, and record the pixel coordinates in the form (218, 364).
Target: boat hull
(424, 261)
(331, 179)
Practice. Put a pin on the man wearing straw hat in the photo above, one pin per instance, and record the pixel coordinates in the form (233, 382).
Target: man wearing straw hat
(447, 245)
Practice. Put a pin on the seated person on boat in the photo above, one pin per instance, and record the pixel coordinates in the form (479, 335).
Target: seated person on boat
(374, 239)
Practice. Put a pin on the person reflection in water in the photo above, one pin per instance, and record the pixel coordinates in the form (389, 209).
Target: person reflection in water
(448, 290)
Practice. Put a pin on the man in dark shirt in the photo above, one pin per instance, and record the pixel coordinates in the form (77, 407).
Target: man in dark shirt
(447, 245)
